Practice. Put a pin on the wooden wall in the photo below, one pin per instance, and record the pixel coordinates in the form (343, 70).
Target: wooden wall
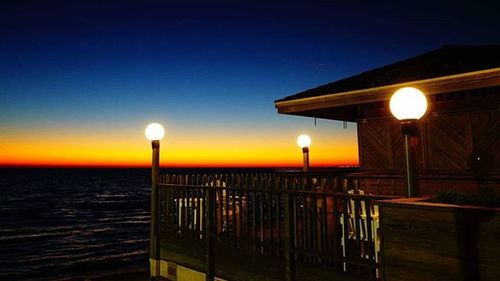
(457, 126)
(450, 144)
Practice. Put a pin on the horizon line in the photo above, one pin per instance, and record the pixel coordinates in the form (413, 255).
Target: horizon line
(76, 166)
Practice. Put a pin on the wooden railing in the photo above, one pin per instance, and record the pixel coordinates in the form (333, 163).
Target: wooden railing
(301, 218)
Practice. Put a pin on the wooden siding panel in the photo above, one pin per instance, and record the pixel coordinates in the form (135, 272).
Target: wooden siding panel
(449, 142)
(397, 145)
(382, 146)
(424, 141)
(485, 130)
(446, 142)
(375, 145)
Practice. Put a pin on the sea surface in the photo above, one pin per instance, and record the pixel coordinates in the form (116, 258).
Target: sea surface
(69, 223)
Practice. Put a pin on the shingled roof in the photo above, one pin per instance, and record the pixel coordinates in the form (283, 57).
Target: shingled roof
(448, 60)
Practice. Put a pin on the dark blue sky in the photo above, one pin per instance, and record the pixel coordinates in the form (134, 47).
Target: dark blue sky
(205, 65)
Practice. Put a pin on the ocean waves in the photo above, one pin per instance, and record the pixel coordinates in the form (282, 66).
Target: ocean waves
(60, 223)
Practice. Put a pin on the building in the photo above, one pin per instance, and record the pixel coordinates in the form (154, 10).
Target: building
(303, 225)
(459, 137)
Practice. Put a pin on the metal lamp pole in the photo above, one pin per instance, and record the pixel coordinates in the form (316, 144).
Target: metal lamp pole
(154, 133)
(410, 132)
(408, 105)
(305, 151)
(154, 239)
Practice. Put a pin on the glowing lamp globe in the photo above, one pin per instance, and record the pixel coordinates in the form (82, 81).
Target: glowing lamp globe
(408, 103)
(303, 141)
(154, 131)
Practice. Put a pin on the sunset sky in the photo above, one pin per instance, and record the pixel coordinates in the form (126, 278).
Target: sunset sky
(80, 80)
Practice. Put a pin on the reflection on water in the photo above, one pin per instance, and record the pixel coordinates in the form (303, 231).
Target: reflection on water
(57, 223)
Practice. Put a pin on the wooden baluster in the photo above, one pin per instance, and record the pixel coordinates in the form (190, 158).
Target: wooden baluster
(358, 226)
(314, 224)
(345, 185)
(370, 239)
(254, 213)
(345, 212)
(210, 232)
(269, 199)
(336, 229)
(246, 215)
(234, 216)
(275, 235)
(263, 200)
(289, 234)
(219, 204)
(198, 211)
(305, 218)
(184, 204)
(242, 208)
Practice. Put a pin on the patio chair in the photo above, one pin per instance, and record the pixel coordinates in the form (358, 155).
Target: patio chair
(355, 229)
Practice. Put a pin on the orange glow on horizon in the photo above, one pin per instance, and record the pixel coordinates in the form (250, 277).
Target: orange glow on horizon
(131, 149)
(146, 163)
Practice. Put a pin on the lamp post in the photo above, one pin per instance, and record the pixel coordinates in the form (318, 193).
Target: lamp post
(304, 141)
(154, 133)
(408, 105)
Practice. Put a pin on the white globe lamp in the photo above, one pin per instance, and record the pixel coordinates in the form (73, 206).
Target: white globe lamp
(408, 103)
(155, 132)
(303, 141)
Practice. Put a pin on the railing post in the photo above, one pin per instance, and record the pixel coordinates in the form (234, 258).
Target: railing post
(345, 185)
(154, 250)
(289, 237)
(209, 238)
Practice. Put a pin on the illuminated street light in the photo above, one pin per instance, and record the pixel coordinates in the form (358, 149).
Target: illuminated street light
(304, 141)
(154, 133)
(408, 105)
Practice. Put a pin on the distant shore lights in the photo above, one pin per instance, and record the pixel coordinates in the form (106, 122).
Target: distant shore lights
(304, 141)
(154, 133)
(408, 105)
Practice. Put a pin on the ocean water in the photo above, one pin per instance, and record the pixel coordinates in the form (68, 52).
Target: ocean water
(68, 223)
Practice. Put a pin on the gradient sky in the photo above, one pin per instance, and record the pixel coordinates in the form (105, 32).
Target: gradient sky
(80, 80)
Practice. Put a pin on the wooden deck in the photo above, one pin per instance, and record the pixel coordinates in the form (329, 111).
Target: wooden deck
(234, 264)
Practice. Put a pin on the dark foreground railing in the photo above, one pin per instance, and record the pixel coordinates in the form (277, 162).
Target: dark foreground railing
(289, 220)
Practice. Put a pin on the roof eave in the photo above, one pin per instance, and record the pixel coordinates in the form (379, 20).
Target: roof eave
(458, 82)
